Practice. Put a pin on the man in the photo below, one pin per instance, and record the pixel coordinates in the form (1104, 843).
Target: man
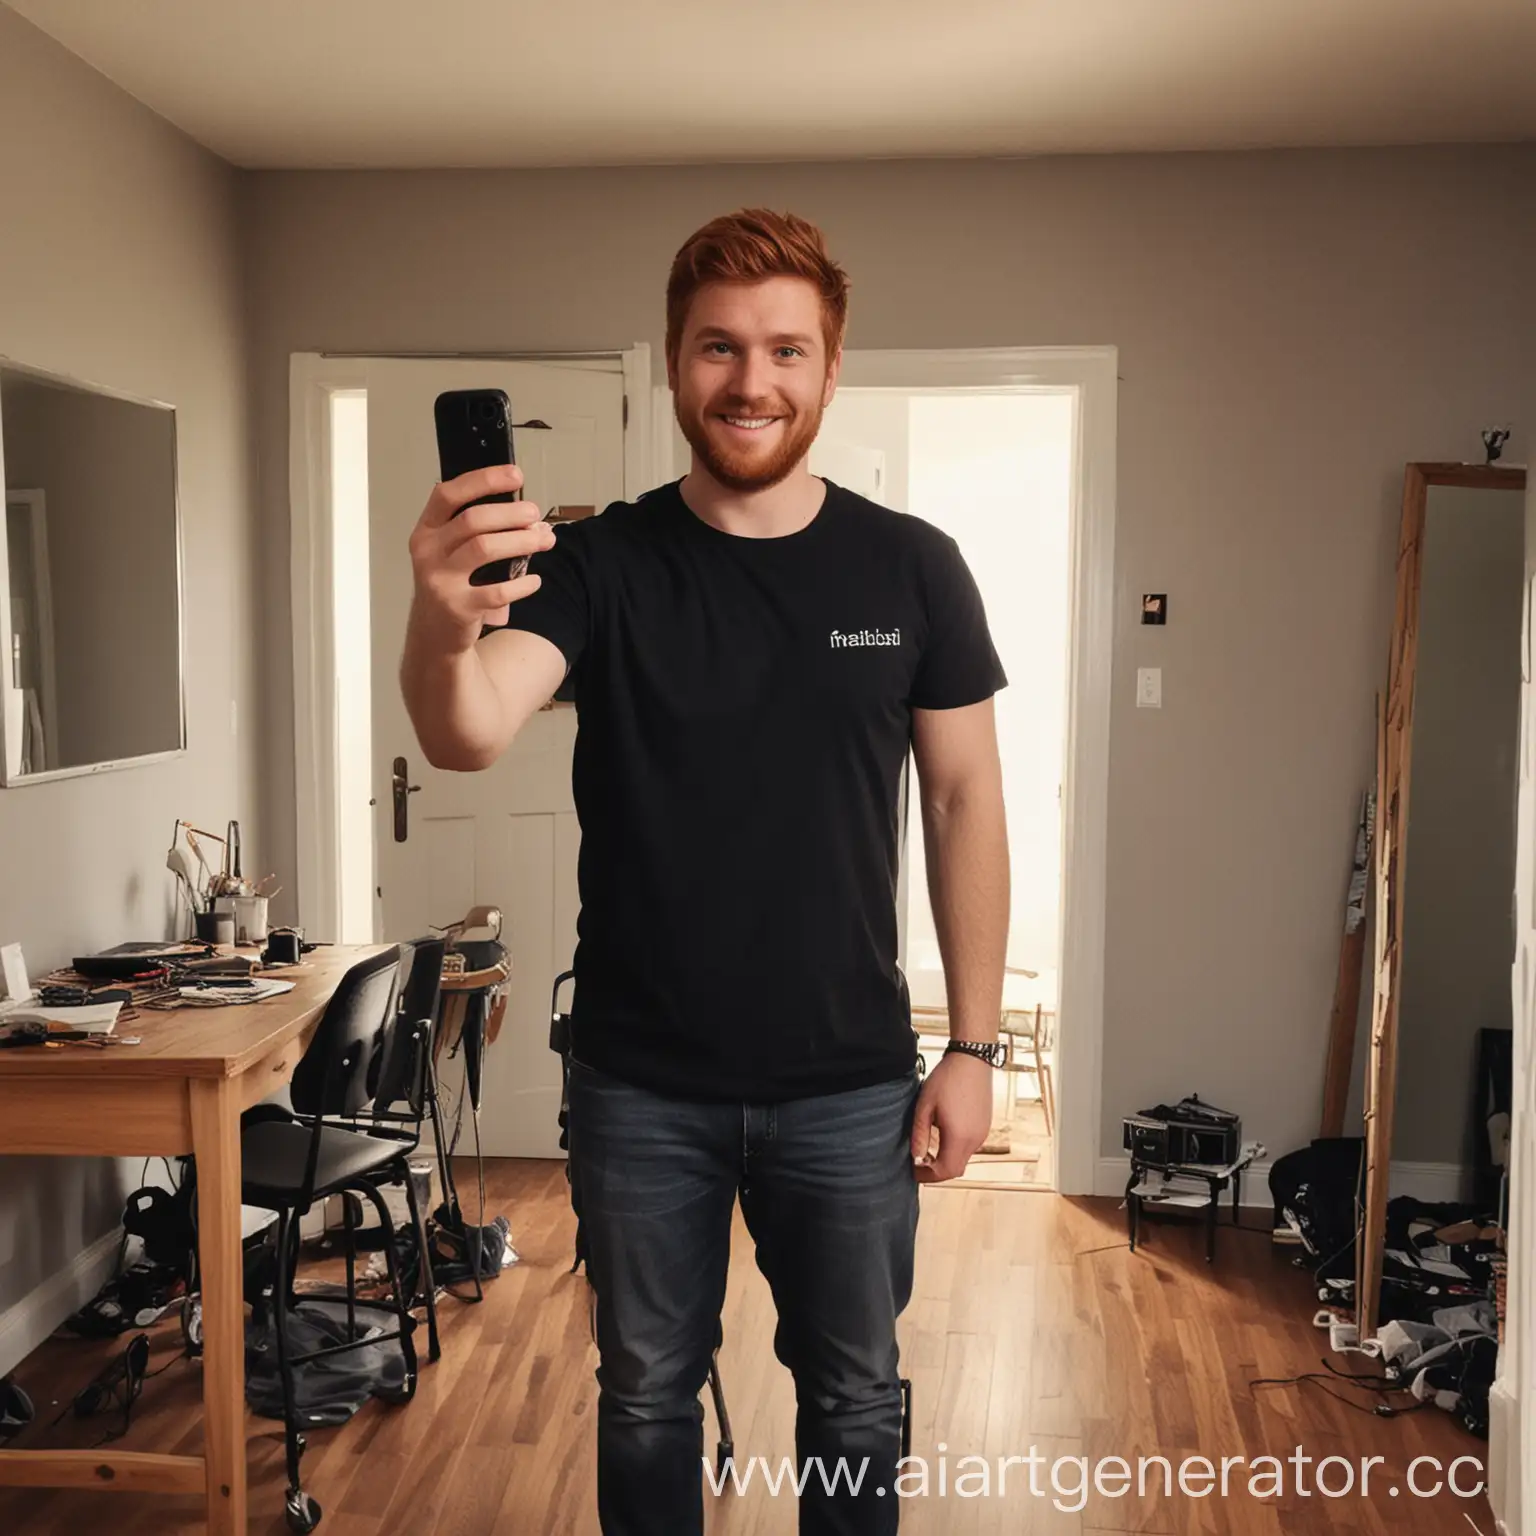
(753, 652)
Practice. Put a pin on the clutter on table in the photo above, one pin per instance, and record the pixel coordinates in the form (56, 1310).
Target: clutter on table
(226, 907)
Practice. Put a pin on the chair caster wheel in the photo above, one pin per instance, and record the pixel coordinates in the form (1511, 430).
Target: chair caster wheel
(301, 1511)
(403, 1393)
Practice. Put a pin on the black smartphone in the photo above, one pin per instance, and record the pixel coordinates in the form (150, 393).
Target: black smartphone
(474, 431)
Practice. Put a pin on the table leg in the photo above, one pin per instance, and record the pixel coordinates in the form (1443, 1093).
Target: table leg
(216, 1144)
(1210, 1224)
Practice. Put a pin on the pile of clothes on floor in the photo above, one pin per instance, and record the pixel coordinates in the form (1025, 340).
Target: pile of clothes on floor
(1435, 1256)
(1439, 1333)
(1450, 1360)
(1438, 1330)
(331, 1389)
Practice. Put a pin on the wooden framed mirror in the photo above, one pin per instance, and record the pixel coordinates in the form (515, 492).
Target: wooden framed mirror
(1473, 541)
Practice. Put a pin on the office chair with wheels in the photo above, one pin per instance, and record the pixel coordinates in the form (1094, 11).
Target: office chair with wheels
(289, 1161)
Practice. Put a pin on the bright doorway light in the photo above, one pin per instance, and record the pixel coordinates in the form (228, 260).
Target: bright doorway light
(994, 471)
(350, 647)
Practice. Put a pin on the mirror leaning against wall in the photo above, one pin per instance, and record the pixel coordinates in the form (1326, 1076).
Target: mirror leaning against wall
(90, 580)
(1439, 1079)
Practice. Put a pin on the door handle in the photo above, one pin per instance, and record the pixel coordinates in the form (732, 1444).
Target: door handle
(403, 789)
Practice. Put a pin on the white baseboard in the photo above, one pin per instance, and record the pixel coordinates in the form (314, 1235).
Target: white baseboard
(29, 1321)
(1504, 1459)
(1436, 1183)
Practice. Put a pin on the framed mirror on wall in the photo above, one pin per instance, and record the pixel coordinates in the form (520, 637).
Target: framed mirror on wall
(90, 580)
(1447, 783)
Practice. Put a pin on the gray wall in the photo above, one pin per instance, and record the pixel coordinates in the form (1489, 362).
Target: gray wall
(107, 468)
(1293, 328)
(1458, 934)
(120, 265)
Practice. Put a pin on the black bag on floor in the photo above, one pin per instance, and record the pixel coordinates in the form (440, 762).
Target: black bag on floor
(1315, 1190)
(461, 1250)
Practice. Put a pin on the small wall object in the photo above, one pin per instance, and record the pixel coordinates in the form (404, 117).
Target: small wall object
(1154, 608)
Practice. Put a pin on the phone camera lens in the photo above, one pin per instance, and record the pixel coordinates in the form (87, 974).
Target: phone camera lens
(488, 412)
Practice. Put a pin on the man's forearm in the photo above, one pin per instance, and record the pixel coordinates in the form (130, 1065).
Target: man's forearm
(966, 840)
(451, 700)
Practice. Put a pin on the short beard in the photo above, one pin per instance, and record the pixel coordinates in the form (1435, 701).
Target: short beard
(736, 472)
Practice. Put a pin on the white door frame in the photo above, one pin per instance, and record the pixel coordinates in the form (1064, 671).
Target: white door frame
(313, 378)
(1092, 374)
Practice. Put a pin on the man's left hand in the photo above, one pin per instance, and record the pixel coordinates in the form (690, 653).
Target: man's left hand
(956, 1102)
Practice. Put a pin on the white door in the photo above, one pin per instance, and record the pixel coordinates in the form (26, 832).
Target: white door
(1512, 1427)
(857, 469)
(506, 836)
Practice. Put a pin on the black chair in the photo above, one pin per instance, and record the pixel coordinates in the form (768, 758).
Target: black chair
(291, 1161)
(404, 1095)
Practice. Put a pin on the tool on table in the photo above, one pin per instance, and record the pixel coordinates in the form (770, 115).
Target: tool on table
(60, 1034)
(54, 994)
(180, 865)
(193, 834)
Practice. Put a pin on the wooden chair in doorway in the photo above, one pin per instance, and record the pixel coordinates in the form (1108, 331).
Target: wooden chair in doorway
(1025, 1031)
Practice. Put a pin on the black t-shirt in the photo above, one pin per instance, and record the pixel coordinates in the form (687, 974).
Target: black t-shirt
(744, 714)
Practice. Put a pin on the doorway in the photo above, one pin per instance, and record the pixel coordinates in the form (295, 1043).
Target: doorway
(994, 471)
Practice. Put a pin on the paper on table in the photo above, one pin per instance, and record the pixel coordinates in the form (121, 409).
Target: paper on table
(1174, 1191)
(94, 1018)
(258, 991)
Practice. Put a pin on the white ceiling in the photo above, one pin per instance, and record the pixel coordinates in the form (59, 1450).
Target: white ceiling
(331, 83)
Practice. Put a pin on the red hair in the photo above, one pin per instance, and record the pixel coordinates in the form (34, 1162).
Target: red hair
(750, 246)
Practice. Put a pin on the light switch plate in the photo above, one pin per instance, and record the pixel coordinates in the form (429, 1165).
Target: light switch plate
(1149, 688)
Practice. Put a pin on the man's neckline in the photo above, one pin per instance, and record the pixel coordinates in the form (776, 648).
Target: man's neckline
(818, 519)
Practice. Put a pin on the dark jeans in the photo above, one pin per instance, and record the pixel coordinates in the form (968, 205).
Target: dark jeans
(828, 1194)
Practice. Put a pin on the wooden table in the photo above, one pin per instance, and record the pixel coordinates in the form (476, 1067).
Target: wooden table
(180, 1091)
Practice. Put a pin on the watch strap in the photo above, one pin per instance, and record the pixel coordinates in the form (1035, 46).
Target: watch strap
(993, 1052)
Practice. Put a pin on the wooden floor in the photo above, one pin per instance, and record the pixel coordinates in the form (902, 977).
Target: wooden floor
(1031, 1326)
(1026, 1155)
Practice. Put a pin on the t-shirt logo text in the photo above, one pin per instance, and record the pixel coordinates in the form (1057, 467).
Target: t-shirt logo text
(865, 637)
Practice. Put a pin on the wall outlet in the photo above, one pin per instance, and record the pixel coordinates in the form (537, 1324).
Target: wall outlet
(1149, 688)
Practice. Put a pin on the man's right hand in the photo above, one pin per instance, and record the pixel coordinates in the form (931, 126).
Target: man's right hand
(446, 550)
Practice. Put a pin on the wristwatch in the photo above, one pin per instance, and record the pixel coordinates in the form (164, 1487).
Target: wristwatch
(993, 1052)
